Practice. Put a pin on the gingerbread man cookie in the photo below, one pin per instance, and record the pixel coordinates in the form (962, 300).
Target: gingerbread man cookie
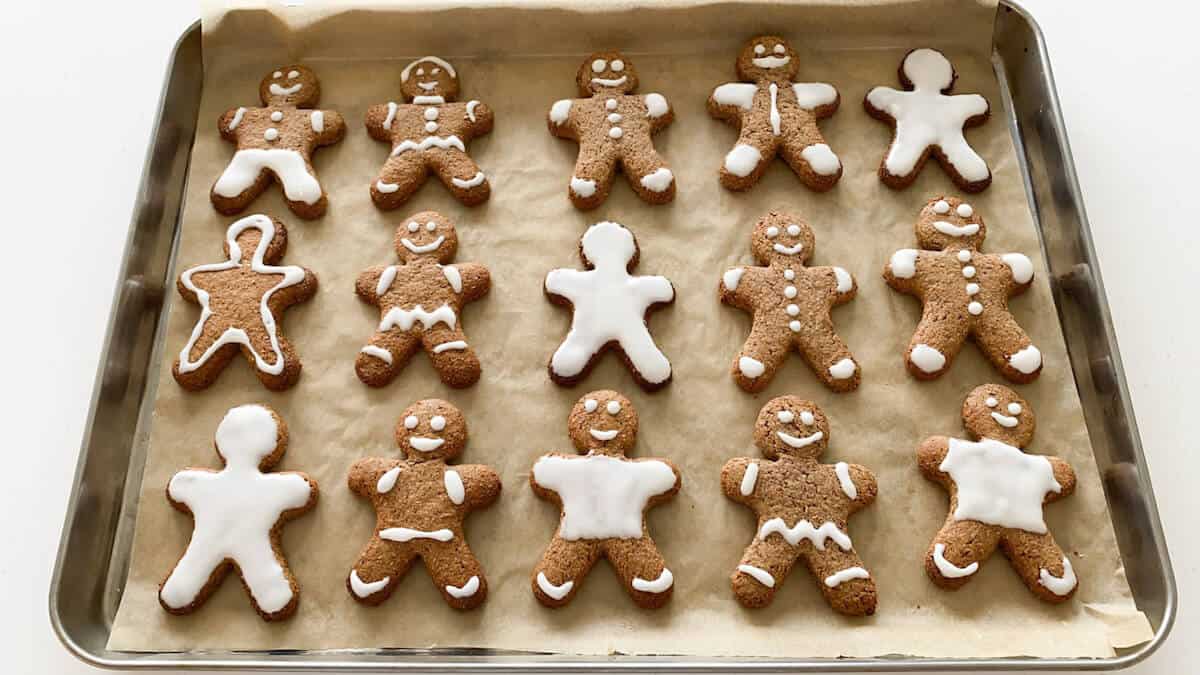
(278, 141)
(603, 496)
(965, 294)
(610, 309)
(240, 301)
(775, 115)
(790, 305)
(613, 128)
(429, 131)
(996, 496)
(420, 300)
(420, 504)
(927, 120)
(238, 515)
(802, 507)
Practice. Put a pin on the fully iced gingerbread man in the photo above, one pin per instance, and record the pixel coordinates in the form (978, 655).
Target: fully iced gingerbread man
(420, 504)
(802, 507)
(927, 120)
(238, 515)
(610, 309)
(278, 140)
(429, 131)
(965, 294)
(421, 300)
(790, 305)
(613, 128)
(240, 301)
(996, 497)
(775, 115)
(603, 496)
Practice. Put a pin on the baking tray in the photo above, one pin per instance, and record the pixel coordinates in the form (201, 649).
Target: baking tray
(94, 550)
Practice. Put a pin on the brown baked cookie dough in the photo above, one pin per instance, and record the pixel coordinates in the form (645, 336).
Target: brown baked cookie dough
(603, 496)
(996, 496)
(238, 514)
(277, 141)
(803, 507)
(420, 504)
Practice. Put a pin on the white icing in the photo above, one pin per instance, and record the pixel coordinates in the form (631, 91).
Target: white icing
(953, 230)
(749, 479)
(790, 291)
(455, 489)
(972, 288)
(431, 127)
(776, 119)
(1005, 421)
(998, 484)
(604, 435)
(453, 345)
(965, 210)
(1059, 585)
(811, 95)
(277, 116)
(405, 319)
(453, 276)
(904, 263)
(1021, 266)
(609, 305)
(842, 470)
(385, 279)
(789, 250)
(471, 105)
(659, 180)
(428, 100)
(618, 65)
(841, 576)
(386, 188)
(821, 159)
(785, 416)
(843, 369)
(613, 118)
(379, 353)
(927, 358)
(411, 422)
(800, 442)
(285, 91)
(613, 407)
(610, 82)
(293, 74)
(1027, 360)
(991, 402)
(733, 277)
(364, 589)
(427, 86)
(424, 444)
(789, 274)
(659, 585)
(975, 308)
(234, 511)
(751, 368)
(941, 207)
(559, 591)
(742, 160)
(610, 104)
(602, 497)
(317, 120)
(299, 185)
(805, 530)
(615, 132)
(431, 113)
(422, 248)
(806, 418)
(1014, 408)
(948, 569)
(473, 181)
(844, 281)
(237, 118)
(271, 134)
(760, 575)
(403, 534)
(388, 480)
(430, 142)
(656, 105)
(290, 276)
(771, 61)
(926, 116)
(466, 590)
(968, 271)
(277, 74)
(590, 405)
(793, 310)
(583, 187)
(964, 255)
(795, 326)
(430, 59)
(599, 65)
(793, 230)
(391, 115)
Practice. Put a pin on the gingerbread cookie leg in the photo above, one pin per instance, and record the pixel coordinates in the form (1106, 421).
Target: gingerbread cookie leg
(642, 570)
(764, 566)
(264, 343)
(648, 175)
(761, 356)
(1040, 561)
(379, 569)
(748, 159)
(1008, 347)
(815, 163)
(197, 574)
(829, 357)
(402, 175)
(592, 180)
(935, 343)
(958, 550)
(452, 357)
(266, 581)
(457, 574)
(460, 174)
(385, 356)
(240, 183)
(961, 160)
(301, 190)
(563, 566)
(207, 371)
(842, 578)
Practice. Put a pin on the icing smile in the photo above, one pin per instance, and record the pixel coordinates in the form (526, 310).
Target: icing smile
(604, 435)
(425, 444)
(427, 86)
(771, 61)
(285, 91)
(954, 230)
(424, 248)
(1004, 420)
(610, 83)
(800, 442)
(789, 250)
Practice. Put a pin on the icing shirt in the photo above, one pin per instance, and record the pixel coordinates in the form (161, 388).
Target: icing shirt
(602, 497)
(998, 484)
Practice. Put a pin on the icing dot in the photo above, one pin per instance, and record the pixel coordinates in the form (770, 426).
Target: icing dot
(613, 407)
(793, 310)
(590, 405)
(789, 274)
(431, 226)
(964, 255)
(806, 417)
(413, 226)
(790, 291)
(277, 74)
(965, 210)
(611, 104)
(1014, 408)
(941, 207)
(760, 50)
(794, 230)
(435, 71)
(772, 231)
(276, 116)
(991, 402)
(613, 118)
(615, 132)
(968, 271)
(410, 422)
(437, 423)
(618, 65)
(293, 74)
(786, 416)
(972, 289)
(271, 134)
(420, 71)
(599, 65)
(780, 49)
(431, 127)
(431, 113)
(795, 326)
(975, 308)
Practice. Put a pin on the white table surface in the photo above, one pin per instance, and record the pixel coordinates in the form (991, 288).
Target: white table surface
(74, 101)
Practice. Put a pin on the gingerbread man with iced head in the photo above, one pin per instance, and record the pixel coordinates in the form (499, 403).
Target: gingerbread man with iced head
(996, 496)
(775, 115)
(278, 141)
(965, 294)
(613, 128)
(790, 305)
(420, 504)
(802, 507)
(603, 496)
(429, 131)
(421, 300)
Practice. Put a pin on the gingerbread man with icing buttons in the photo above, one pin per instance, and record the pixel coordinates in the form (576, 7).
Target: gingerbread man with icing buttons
(775, 115)
(790, 307)
(603, 496)
(420, 504)
(613, 128)
(965, 294)
(802, 507)
(278, 141)
(420, 301)
(429, 131)
(997, 492)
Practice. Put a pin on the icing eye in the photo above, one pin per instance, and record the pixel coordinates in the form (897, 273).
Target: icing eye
(1014, 408)
(435, 71)
(293, 74)
(420, 71)
(413, 226)
(590, 405)
(613, 407)
(794, 230)
(965, 210)
(772, 232)
(786, 416)
(430, 226)
(806, 417)
(618, 65)
(941, 207)
(780, 49)
(599, 65)
(410, 422)
(277, 75)
(760, 50)
(437, 423)
(991, 402)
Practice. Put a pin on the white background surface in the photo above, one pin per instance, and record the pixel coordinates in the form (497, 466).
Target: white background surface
(77, 100)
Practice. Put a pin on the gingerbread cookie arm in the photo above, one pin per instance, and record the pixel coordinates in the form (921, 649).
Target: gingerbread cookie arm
(668, 493)
(731, 100)
(839, 282)
(658, 111)
(228, 123)
(739, 479)
(1065, 475)
(480, 119)
(480, 485)
(367, 284)
(379, 120)
(184, 485)
(561, 121)
(286, 297)
(900, 272)
(476, 280)
(819, 98)
(734, 290)
(858, 483)
(290, 481)
(329, 125)
(1020, 269)
(548, 492)
(930, 454)
(365, 474)
(657, 289)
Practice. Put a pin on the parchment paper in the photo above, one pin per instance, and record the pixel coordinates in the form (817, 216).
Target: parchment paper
(519, 61)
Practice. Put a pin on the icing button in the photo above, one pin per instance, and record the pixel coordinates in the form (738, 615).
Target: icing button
(964, 255)
(790, 291)
(968, 271)
(611, 104)
(614, 117)
(975, 308)
(793, 310)
(431, 127)
(276, 116)
(789, 274)
(271, 134)
(795, 326)
(431, 113)
(615, 132)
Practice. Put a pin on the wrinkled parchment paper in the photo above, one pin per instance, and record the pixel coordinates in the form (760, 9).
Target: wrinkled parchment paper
(519, 61)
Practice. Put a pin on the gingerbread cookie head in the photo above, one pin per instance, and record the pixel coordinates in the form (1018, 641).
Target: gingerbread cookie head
(293, 85)
(603, 423)
(606, 73)
(251, 436)
(927, 69)
(607, 245)
(428, 234)
(429, 76)
(431, 429)
(767, 57)
(996, 412)
(248, 239)
(949, 223)
(781, 239)
(791, 426)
